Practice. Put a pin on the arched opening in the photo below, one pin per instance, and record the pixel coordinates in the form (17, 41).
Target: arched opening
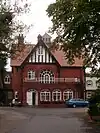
(46, 77)
(32, 97)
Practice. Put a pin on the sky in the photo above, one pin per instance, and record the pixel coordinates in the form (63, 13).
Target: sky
(38, 18)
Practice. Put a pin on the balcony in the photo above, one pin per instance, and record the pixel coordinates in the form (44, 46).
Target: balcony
(56, 80)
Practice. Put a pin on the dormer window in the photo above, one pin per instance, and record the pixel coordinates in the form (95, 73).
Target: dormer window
(7, 79)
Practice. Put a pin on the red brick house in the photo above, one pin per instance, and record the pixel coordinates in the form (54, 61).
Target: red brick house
(42, 77)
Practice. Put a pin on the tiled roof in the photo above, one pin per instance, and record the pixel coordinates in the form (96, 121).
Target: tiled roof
(60, 57)
(20, 56)
(58, 54)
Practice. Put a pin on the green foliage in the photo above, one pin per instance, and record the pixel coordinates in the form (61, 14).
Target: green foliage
(94, 108)
(95, 98)
(10, 27)
(77, 24)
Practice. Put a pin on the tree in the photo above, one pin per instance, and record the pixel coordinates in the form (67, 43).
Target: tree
(77, 25)
(10, 27)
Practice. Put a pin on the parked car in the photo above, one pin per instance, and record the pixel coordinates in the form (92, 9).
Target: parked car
(15, 102)
(76, 103)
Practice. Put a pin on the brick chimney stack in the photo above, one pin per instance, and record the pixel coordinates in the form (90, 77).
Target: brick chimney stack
(20, 39)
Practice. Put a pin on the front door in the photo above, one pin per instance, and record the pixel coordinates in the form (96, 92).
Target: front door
(33, 98)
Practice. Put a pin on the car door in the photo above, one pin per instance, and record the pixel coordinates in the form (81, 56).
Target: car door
(82, 102)
(77, 102)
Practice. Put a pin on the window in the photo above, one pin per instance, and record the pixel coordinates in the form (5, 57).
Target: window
(46, 77)
(7, 79)
(67, 95)
(89, 94)
(45, 96)
(40, 50)
(31, 75)
(89, 83)
(40, 54)
(56, 95)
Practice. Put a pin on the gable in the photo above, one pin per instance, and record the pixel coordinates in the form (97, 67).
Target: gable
(41, 54)
(20, 56)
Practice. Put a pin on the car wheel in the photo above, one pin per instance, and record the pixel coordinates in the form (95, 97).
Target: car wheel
(74, 105)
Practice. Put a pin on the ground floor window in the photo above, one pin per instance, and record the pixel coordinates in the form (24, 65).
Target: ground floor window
(45, 96)
(67, 95)
(56, 95)
(88, 94)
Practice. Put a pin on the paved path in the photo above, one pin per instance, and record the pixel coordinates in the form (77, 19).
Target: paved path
(64, 120)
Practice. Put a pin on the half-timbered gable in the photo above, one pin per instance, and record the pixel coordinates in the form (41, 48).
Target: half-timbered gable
(41, 54)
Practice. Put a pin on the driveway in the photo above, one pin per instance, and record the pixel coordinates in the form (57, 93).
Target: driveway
(60, 120)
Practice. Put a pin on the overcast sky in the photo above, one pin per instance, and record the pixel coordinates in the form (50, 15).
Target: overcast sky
(38, 17)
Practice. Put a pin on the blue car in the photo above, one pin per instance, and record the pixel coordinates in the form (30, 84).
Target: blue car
(76, 103)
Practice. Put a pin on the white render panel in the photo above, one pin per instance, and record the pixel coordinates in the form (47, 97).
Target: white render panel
(47, 57)
(44, 52)
(36, 54)
(50, 59)
(30, 59)
(94, 86)
(33, 57)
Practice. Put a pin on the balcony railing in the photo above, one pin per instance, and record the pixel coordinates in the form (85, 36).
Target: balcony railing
(56, 80)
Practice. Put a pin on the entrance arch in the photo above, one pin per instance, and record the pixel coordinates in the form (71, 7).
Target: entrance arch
(32, 97)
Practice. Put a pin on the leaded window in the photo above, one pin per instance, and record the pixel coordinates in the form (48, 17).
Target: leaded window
(46, 77)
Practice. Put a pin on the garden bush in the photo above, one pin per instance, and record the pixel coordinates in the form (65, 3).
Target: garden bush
(94, 107)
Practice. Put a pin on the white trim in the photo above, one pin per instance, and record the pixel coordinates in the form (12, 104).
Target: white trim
(47, 57)
(29, 101)
(56, 92)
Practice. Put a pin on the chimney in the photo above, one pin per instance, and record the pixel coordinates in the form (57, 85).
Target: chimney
(39, 37)
(20, 39)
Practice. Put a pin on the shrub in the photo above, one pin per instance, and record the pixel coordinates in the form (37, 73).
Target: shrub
(94, 107)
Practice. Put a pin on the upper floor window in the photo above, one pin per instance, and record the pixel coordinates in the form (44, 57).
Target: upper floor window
(46, 76)
(7, 79)
(40, 50)
(89, 83)
(31, 75)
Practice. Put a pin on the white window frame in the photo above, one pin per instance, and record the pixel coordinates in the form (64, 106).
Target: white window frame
(45, 96)
(7, 79)
(32, 75)
(68, 94)
(56, 92)
(44, 79)
(40, 50)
